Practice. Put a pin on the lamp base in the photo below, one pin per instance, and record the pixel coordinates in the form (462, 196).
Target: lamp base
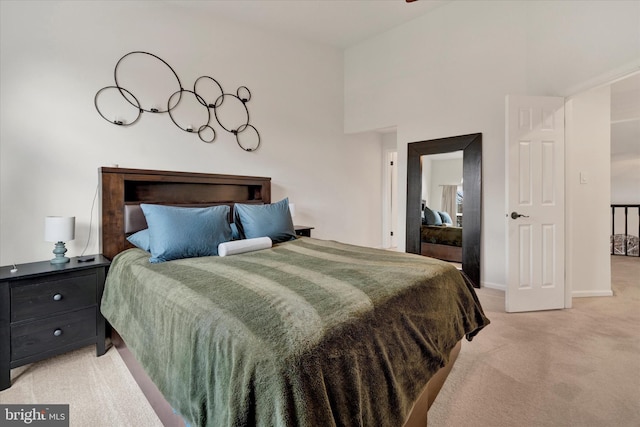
(59, 251)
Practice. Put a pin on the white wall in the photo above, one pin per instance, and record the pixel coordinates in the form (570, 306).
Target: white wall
(588, 194)
(625, 173)
(625, 165)
(447, 73)
(625, 177)
(425, 167)
(56, 55)
(443, 172)
(625, 151)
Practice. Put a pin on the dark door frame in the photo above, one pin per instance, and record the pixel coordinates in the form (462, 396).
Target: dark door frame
(471, 145)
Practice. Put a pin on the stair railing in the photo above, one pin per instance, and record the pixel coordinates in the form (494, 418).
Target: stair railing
(626, 229)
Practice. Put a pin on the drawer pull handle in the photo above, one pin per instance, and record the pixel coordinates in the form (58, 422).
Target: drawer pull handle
(57, 332)
(57, 297)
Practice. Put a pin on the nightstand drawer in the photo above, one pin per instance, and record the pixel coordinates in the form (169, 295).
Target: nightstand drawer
(46, 297)
(31, 338)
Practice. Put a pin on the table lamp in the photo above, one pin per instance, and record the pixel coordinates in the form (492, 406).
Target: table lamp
(59, 229)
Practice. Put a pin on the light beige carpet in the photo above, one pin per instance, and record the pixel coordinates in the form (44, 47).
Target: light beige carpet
(577, 367)
(100, 391)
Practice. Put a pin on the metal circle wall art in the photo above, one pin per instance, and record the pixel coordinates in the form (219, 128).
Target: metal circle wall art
(234, 120)
(248, 137)
(164, 94)
(205, 92)
(243, 90)
(135, 67)
(118, 119)
(171, 108)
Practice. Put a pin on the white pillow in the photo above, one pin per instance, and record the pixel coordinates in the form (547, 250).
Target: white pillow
(246, 245)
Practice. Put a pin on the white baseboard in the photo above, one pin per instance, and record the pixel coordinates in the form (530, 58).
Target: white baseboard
(574, 294)
(585, 294)
(490, 285)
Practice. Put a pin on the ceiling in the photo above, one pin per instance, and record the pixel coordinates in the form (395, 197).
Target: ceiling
(335, 23)
(344, 23)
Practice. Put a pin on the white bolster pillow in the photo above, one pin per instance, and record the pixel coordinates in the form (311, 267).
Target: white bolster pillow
(246, 245)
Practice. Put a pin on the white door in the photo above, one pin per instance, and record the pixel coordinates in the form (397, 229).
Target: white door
(394, 198)
(390, 199)
(535, 203)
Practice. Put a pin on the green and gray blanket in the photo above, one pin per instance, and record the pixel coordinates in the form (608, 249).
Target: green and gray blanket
(450, 236)
(307, 333)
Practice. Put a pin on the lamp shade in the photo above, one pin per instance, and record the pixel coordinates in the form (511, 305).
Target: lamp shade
(59, 228)
(292, 209)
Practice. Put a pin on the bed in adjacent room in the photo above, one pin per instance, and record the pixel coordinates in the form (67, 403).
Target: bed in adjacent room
(300, 332)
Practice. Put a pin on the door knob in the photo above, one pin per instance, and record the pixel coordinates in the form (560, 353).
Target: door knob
(516, 215)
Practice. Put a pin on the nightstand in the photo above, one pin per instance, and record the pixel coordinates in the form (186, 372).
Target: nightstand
(48, 309)
(303, 230)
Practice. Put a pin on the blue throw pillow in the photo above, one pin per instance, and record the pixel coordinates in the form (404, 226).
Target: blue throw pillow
(272, 220)
(140, 239)
(176, 232)
(445, 217)
(432, 217)
(235, 234)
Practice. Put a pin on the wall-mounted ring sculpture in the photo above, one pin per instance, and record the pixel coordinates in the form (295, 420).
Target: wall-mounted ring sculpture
(245, 131)
(117, 120)
(205, 90)
(217, 89)
(180, 98)
(220, 102)
(118, 70)
(243, 90)
(202, 133)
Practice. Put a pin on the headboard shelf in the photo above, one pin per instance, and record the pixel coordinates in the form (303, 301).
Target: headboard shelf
(199, 193)
(193, 204)
(122, 187)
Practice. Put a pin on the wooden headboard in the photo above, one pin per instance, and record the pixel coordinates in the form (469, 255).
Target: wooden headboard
(129, 187)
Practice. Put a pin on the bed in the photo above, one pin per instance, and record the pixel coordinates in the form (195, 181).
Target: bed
(439, 238)
(307, 332)
(441, 242)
